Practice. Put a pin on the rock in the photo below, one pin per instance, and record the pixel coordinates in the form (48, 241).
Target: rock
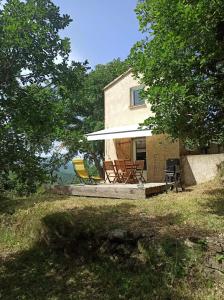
(195, 239)
(188, 243)
(117, 235)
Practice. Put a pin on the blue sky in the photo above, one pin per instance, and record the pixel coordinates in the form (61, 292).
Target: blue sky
(101, 29)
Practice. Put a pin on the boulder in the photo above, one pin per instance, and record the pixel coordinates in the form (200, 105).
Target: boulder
(117, 235)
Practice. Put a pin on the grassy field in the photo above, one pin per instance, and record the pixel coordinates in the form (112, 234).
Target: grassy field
(55, 247)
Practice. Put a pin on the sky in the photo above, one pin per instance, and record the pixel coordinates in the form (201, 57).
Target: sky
(101, 30)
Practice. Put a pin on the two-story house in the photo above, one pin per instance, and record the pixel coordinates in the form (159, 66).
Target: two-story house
(124, 111)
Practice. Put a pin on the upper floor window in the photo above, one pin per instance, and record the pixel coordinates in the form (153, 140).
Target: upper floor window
(136, 98)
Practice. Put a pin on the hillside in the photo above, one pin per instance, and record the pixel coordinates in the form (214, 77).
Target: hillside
(168, 247)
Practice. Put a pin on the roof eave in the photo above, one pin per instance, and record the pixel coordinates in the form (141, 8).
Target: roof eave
(117, 79)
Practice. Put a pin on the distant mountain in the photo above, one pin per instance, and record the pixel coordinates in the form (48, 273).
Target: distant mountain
(66, 174)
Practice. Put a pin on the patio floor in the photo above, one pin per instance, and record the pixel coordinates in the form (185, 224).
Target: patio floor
(119, 191)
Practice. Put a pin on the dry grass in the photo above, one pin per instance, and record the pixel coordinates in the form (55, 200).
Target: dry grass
(30, 270)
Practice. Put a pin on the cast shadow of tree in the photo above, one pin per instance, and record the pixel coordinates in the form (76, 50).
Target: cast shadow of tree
(9, 205)
(216, 203)
(75, 259)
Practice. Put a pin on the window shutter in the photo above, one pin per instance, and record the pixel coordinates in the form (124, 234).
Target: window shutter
(124, 149)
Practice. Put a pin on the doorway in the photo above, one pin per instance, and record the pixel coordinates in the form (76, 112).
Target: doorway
(139, 152)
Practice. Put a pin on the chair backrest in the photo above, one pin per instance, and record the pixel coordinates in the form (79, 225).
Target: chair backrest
(120, 165)
(79, 167)
(140, 164)
(129, 164)
(108, 165)
(172, 165)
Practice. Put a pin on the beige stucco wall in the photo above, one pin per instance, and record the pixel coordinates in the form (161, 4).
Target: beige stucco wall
(118, 110)
(118, 101)
(160, 148)
(200, 168)
(110, 150)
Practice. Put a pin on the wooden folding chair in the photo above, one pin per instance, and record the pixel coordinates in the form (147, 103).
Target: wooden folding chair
(139, 170)
(120, 169)
(126, 170)
(82, 173)
(110, 171)
(131, 172)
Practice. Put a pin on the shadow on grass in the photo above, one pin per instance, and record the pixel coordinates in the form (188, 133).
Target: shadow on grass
(216, 203)
(9, 205)
(75, 258)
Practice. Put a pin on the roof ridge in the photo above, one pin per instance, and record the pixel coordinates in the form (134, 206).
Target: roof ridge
(117, 79)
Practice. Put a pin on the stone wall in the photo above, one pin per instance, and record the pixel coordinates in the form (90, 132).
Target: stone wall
(200, 168)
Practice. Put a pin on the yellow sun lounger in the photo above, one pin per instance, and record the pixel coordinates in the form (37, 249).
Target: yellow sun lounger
(82, 173)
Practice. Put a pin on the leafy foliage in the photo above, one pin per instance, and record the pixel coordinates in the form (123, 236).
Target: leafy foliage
(33, 67)
(91, 111)
(181, 60)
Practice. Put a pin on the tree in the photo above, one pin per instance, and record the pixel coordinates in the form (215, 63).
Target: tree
(33, 69)
(181, 61)
(91, 112)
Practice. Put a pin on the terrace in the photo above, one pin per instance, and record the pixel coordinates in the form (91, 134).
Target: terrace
(116, 191)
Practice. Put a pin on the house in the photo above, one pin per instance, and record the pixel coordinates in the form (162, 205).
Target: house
(124, 111)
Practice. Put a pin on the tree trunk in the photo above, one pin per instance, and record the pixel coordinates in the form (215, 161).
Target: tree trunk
(97, 159)
(98, 166)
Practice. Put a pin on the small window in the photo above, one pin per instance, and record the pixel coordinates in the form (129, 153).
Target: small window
(136, 98)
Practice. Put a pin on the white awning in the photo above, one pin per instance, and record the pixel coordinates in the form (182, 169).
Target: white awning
(130, 131)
